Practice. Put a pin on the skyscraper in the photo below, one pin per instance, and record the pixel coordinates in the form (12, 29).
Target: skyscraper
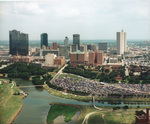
(76, 40)
(18, 43)
(121, 42)
(66, 41)
(44, 39)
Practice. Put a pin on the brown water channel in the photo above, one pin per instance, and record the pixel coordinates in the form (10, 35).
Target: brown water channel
(36, 104)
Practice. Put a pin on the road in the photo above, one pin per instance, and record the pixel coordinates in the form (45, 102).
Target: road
(89, 114)
(59, 72)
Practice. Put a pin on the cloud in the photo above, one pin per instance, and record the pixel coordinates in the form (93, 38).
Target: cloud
(73, 16)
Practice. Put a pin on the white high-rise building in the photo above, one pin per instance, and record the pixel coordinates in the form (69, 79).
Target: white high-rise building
(121, 42)
(66, 41)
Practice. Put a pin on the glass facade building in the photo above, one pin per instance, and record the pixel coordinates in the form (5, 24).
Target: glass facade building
(44, 39)
(18, 43)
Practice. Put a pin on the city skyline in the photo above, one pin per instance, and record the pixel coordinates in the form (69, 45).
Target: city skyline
(92, 20)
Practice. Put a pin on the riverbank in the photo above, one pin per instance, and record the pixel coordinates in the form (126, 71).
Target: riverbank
(10, 104)
(89, 98)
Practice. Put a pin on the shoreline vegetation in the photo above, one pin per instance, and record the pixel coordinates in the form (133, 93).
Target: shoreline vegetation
(89, 98)
(8, 99)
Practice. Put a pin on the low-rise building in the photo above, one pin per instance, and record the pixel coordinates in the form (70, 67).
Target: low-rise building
(19, 58)
(59, 60)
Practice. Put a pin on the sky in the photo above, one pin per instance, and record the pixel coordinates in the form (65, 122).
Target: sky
(92, 19)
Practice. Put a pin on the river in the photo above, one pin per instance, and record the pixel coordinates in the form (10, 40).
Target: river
(36, 104)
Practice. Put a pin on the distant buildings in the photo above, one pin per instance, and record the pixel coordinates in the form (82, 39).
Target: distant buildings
(83, 48)
(74, 47)
(64, 51)
(66, 41)
(91, 47)
(44, 40)
(121, 42)
(76, 40)
(102, 47)
(18, 43)
(55, 46)
(41, 54)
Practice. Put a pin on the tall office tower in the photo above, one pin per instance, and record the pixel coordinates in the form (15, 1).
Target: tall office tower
(76, 40)
(121, 42)
(44, 39)
(18, 43)
(102, 47)
(66, 41)
(23, 44)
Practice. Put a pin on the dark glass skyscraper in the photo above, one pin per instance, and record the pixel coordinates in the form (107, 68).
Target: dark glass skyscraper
(44, 39)
(76, 40)
(18, 43)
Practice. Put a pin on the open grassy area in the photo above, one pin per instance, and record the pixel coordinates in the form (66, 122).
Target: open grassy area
(106, 115)
(113, 117)
(69, 75)
(9, 104)
(57, 110)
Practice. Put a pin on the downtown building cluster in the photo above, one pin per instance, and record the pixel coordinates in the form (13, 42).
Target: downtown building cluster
(75, 52)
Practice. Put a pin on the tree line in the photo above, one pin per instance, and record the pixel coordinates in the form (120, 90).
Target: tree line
(22, 70)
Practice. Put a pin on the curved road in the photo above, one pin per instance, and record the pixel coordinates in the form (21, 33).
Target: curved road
(89, 114)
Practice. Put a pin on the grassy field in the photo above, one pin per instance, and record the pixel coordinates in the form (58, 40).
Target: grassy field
(106, 115)
(109, 116)
(69, 75)
(57, 110)
(9, 104)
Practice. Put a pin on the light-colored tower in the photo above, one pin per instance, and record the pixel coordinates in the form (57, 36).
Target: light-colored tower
(66, 41)
(49, 59)
(121, 42)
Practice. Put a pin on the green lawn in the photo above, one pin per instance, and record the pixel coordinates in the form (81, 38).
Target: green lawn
(113, 117)
(9, 104)
(107, 115)
(57, 110)
(69, 75)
